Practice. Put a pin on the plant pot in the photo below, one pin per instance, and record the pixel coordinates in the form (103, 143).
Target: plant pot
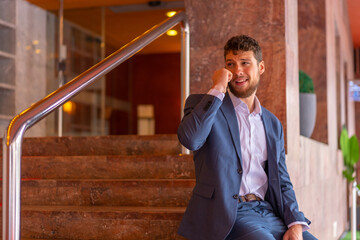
(307, 113)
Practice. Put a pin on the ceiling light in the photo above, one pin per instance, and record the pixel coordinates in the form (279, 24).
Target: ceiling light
(170, 13)
(172, 32)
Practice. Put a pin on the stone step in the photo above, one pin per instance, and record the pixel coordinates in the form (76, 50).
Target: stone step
(101, 145)
(108, 187)
(108, 167)
(110, 223)
(150, 193)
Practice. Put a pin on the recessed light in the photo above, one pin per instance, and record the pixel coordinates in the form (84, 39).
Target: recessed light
(170, 13)
(172, 32)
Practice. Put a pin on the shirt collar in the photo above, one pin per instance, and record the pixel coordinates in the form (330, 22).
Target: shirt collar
(243, 107)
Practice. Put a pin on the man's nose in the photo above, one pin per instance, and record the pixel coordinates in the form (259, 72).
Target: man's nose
(239, 70)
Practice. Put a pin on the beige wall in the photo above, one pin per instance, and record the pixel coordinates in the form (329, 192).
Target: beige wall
(315, 167)
(320, 188)
(30, 60)
(30, 57)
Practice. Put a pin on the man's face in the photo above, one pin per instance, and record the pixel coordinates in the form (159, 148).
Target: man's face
(246, 73)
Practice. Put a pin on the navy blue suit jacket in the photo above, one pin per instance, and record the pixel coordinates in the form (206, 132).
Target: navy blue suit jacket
(210, 129)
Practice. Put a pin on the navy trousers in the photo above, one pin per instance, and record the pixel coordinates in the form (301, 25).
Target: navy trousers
(257, 221)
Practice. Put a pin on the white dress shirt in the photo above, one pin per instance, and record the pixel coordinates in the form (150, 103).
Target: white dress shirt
(253, 148)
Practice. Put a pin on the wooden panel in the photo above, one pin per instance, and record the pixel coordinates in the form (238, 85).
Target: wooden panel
(68, 4)
(354, 9)
(156, 81)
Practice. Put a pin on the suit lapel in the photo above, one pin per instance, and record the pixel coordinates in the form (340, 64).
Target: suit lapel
(229, 112)
(269, 133)
(272, 166)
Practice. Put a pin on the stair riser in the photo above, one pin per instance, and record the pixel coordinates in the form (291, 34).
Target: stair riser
(109, 167)
(101, 145)
(112, 187)
(108, 193)
(89, 225)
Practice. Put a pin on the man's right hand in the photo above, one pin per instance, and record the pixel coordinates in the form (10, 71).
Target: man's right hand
(221, 78)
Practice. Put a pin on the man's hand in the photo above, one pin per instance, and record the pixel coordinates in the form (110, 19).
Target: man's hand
(220, 78)
(294, 233)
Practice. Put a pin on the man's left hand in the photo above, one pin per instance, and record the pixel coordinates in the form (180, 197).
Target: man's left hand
(294, 233)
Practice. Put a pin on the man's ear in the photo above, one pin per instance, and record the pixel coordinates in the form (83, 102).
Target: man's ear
(262, 67)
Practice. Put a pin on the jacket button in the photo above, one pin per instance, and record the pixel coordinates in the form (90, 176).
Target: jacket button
(236, 196)
(239, 171)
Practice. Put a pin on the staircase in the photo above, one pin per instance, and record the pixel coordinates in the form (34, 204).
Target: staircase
(109, 187)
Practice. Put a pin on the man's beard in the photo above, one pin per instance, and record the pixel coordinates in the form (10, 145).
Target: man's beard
(244, 93)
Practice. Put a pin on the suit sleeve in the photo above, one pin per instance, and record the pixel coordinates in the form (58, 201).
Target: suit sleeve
(199, 116)
(291, 209)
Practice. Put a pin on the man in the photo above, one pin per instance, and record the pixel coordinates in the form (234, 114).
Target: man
(243, 190)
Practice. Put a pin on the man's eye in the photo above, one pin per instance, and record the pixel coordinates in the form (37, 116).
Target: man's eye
(245, 63)
(230, 65)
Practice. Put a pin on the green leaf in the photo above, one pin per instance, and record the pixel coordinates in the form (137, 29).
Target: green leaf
(350, 150)
(347, 162)
(353, 150)
(350, 168)
(306, 84)
(344, 143)
(358, 186)
(348, 176)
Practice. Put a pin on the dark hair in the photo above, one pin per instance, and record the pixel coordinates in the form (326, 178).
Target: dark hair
(243, 43)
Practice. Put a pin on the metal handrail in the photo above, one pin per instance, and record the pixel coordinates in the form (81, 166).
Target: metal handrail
(13, 138)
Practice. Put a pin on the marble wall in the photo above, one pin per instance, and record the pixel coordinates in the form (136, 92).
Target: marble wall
(312, 58)
(315, 165)
(30, 60)
(214, 22)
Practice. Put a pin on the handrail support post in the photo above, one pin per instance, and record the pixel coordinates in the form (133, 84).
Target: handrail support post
(185, 69)
(12, 186)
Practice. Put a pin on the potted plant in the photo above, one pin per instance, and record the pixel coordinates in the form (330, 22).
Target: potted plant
(350, 151)
(307, 104)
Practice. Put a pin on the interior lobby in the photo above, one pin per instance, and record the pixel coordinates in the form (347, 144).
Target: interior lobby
(108, 164)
